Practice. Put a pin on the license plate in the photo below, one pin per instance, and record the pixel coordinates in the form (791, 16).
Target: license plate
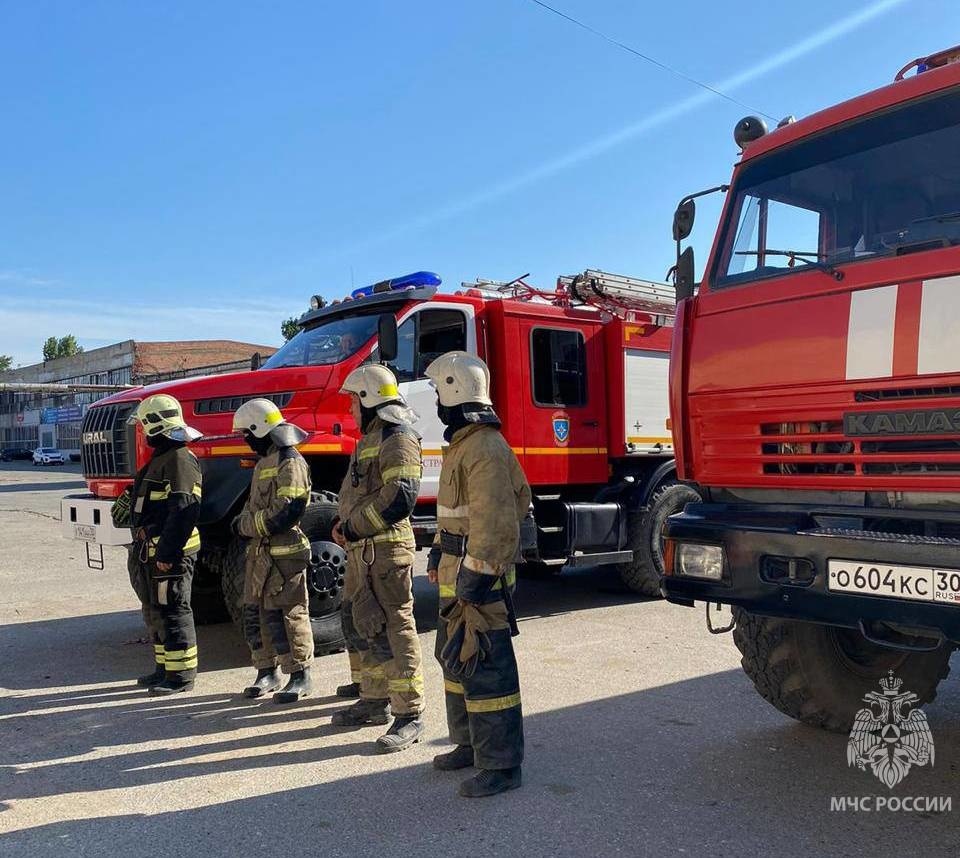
(86, 532)
(915, 583)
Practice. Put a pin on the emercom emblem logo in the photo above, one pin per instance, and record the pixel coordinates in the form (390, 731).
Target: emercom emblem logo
(889, 735)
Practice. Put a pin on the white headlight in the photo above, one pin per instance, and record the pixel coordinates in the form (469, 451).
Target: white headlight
(700, 561)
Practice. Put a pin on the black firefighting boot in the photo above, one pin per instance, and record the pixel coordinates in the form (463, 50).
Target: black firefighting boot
(268, 679)
(172, 684)
(490, 782)
(298, 686)
(363, 712)
(351, 690)
(150, 679)
(460, 757)
(404, 732)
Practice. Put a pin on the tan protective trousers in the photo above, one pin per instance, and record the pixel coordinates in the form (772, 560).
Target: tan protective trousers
(400, 677)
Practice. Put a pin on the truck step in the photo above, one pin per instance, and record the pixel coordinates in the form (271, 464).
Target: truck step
(557, 529)
(881, 536)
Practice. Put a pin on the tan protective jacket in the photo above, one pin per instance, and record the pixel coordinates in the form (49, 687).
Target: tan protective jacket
(483, 496)
(279, 494)
(381, 485)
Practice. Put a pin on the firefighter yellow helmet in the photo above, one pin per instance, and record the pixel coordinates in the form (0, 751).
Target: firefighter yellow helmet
(261, 417)
(161, 414)
(460, 377)
(374, 384)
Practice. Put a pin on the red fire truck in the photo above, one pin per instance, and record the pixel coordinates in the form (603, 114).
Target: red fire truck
(579, 381)
(815, 398)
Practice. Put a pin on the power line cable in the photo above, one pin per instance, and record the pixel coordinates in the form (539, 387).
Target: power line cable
(647, 58)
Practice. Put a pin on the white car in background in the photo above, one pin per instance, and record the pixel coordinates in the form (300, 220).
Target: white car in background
(48, 456)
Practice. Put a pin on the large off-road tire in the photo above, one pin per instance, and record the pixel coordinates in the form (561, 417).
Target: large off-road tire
(819, 674)
(645, 529)
(328, 563)
(206, 594)
(324, 576)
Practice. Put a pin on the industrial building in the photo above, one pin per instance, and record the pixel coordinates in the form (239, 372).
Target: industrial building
(36, 419)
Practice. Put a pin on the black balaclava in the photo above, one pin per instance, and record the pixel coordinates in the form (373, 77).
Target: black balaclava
(161, 443)
(455, 417)
(367, 416)
(260, 446)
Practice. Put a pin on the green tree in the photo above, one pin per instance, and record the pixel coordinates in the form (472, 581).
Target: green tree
(289, 328)
(6, 362)
(66, 346)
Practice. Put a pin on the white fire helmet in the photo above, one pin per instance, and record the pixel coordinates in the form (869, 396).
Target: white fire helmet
(460, 377)
(374, 384)
(261, 417)
(161, 414)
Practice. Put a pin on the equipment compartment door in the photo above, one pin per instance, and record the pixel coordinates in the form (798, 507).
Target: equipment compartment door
(646, 407)
(564, 431)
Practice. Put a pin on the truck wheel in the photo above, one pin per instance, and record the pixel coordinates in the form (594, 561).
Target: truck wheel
(328, 563)
(643, 573)
(231, 561)
(206, 594)
(819, 674)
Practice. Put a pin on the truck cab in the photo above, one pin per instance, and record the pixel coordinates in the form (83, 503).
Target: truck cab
(815, 397)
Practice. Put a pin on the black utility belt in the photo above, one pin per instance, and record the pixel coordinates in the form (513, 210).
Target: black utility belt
(453, 544)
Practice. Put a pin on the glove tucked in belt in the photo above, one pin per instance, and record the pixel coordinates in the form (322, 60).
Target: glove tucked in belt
(467, 641)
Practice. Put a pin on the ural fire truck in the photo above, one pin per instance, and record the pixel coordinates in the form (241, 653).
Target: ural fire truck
(579, 381)
(815, 398)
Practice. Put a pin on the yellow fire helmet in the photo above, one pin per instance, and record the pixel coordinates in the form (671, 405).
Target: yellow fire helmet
(460, 377)
(161, 414)
(374, 384)
(261, 417)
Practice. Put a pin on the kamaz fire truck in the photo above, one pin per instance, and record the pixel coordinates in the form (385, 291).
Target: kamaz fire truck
(815, 398)
(579, 381)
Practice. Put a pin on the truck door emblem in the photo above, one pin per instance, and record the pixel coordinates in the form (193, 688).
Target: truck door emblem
(561, 428)
(887, 739)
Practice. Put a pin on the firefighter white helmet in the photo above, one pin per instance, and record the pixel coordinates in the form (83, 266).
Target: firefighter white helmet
(374, 384)
(460, 377)
(161, 414)
(261, 417)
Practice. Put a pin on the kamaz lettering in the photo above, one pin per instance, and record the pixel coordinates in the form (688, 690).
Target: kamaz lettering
(934, 421)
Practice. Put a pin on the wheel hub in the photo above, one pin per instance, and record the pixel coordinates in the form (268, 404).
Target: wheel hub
(328, 563)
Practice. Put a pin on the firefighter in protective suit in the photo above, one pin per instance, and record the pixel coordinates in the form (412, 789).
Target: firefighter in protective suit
(276, 615)
(482, 498)
(376, 499)
(162, 508)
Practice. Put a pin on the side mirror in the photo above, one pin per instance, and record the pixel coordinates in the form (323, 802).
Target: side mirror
(387, 337)
(683, 219)
(256, 361)
(684, 274)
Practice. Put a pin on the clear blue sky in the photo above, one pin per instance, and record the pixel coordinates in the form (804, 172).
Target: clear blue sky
(186, 170)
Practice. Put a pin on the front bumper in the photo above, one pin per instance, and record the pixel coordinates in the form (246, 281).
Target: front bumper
(87, 518)
(775, 564)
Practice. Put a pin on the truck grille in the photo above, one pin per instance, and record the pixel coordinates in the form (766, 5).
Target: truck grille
(107, 443)
(822, 448)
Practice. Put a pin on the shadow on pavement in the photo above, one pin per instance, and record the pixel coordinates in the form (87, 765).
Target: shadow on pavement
(654, 772)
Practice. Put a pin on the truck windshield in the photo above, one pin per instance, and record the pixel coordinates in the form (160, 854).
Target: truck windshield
(329, 342)
(881, 186)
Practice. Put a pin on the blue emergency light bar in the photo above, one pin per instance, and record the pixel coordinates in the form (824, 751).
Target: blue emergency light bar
(408, 281)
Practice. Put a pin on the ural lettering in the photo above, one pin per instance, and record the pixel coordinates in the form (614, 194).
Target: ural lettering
(934, 421)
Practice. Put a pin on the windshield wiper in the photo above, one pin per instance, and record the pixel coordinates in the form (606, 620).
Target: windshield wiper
(796, 256)
(942, 218)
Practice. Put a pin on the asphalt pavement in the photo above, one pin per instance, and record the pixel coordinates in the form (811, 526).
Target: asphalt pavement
(643, 736)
